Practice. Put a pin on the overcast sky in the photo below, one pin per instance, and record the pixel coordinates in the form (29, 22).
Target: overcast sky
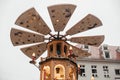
(15, 65)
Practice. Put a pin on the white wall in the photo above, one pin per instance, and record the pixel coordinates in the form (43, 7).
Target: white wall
(111, 66)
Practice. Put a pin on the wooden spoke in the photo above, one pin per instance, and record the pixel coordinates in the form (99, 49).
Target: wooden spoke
(37, 49)
(87, 23)
(19, 37)
(89, 40)
(31, 20)
(60, 15)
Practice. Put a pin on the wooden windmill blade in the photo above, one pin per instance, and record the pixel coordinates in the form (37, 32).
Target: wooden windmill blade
(79, 52)
(32, 20)
(38, 49)
(20, 37)
(89, 40)
(87, 23)
(60, 15)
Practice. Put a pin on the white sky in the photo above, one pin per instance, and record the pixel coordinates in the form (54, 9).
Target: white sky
(15, 65)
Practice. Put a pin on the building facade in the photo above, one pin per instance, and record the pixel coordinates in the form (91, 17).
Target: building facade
(103, 64)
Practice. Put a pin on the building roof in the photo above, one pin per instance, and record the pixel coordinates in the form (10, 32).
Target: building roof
(102, 53)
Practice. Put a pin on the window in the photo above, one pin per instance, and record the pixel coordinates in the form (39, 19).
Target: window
(117, 71)
(105, 47)
(82, 70)
(59, 48)
(117, 78)
(106, 71)
(106, 54)
(65, 49)
(118, 50)
(86, 47)
(59, 72)
(51, 48)
(46, 73)
(71, 73)
(94, 70)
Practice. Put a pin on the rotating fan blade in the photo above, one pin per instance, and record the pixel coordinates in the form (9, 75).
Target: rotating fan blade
(79, 52)
(87, 23)
(31, 20)
(60, 15)
(37, 49)
(89, 40)
(19, 37)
